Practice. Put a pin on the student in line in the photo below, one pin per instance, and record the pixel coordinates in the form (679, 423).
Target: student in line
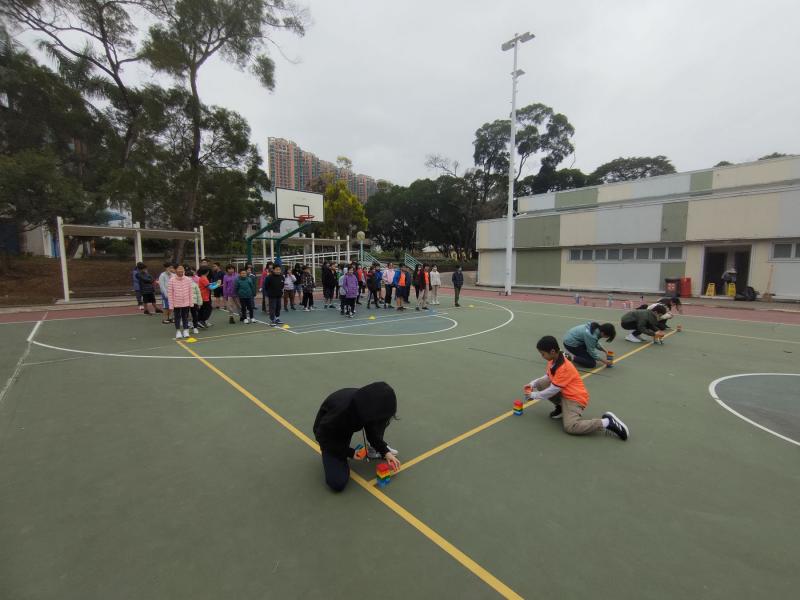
(179, 293)
(562, 385)
(436, 283)
(582, 343)
(229, 293)
(307, 283)
(328, 285)
(136, 289)
(290, 281)
(402, 285)
(641, 321)
(163, 283)
(345, 412)
(423, 285)
(349, 293)
(458, 283)
(206, 308)
(146, 289)
(246, 292)
(388, 281)
(273, 292)
(216, 277)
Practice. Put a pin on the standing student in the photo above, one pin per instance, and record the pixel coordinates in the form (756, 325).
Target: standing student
(458, 282)
(273, 292)
(402, 286)
(246, 292)
(562, 385)
(388, 281)
(205, 296)
(197, 299)
(216, 277)
(582, 343)
(436, 283)
(136, 289)
(345, 412)
(328, 285)
(423, 285)
(297, 271)
(415, 282)
(349, 292)
(229, 292)
(289, 283)
(163, 284)
(362, 282)
(308, 289)
(378, 281)
(338, 274)
(641, 321)
(146, 289)
(373, 285)
(179, 293)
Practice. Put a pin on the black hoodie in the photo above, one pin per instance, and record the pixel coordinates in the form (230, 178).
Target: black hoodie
(347, 410)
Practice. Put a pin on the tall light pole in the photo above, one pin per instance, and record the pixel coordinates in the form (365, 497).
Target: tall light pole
(512, 43)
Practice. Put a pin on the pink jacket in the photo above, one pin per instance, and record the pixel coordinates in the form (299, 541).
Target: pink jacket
(179, 292)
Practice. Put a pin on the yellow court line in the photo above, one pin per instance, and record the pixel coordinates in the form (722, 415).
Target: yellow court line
(433, 451)
(465, 561)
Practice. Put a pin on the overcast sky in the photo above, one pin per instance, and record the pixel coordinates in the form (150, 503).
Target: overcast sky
(386, 83)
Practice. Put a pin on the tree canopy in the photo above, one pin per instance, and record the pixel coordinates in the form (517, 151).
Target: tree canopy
(635, 167)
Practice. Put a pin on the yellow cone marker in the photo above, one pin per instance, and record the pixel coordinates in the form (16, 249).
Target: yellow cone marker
(472, 306)
(372, 318)
(191, 340)
(285, 327)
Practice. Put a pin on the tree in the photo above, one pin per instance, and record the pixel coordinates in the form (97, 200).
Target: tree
(540, 131)
(635, 167)
(344, 213)
(189, 33)
(551, 180)
(773, 155)
(723, 163)
(344, 163)
(442, 163)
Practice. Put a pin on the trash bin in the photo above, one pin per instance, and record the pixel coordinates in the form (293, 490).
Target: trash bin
(685, 288)
(671, 286)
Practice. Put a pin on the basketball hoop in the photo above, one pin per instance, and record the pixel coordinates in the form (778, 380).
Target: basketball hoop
(303, 218)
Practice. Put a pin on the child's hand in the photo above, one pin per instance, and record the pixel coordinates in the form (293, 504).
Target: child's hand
(393, 462)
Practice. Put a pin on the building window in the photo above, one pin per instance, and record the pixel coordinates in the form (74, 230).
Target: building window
(586, 255)
(642, 253)
(627, 254)
(659, 253)
(600, 254)
(574, 254)
(675, 252)
(782, 250)
(613, 254)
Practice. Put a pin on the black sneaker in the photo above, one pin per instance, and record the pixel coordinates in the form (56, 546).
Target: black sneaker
(231, 320)
(278, 322)
(418, 308)
(616, 426)
(556, 413)
(272, 324)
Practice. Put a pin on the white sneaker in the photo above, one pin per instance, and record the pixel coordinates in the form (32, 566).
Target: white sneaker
(194, 330)
(632, 338)
(306, 310)
(178, 335)
(373, 454)
(186, 333)
(247, 321)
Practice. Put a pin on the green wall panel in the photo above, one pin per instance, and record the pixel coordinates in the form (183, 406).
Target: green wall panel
(673, 270)
(702, 181)
(581, 197)
(537, 232)
(673, 221)
(539, 267)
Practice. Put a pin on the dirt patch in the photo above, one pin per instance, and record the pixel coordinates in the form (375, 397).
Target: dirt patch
(37, 280)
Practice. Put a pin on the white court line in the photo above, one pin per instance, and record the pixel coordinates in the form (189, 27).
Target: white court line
(453, 326)
(296, 354)
(377, 321)
(21, 362)
(712, 389)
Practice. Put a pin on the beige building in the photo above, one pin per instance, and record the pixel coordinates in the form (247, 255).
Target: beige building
(631, 236)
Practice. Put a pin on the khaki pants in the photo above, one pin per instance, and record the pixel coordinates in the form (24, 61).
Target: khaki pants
(572, 412)
(422, 299)
(435, 294)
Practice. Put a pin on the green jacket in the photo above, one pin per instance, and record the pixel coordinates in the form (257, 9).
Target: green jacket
(245, 287)
(581, 335)
(645, 320)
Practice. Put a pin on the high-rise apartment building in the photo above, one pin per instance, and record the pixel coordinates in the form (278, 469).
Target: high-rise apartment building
(291, 167)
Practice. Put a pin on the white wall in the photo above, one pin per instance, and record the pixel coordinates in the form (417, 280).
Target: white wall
(786, 280)
(628, 225)
(537, 202)
(492, 267)
(629, 276)
(491, 234)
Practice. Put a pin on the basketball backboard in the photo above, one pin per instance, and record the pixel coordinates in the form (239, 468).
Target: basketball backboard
(290, 204)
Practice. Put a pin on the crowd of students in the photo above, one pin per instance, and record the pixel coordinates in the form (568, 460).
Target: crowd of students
(189, 297)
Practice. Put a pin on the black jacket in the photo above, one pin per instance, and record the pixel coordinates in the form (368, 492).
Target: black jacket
(328, 278)
(146, 283)
(458, 278)
(350, 409)
(273, 286)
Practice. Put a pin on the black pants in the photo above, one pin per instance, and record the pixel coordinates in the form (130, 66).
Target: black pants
(327, 293)
(416, 292)
(373, 297)
(246, 308)
(388, 298)
(457, 290)
(195, 314)
(337, 471)
(308, 299)
(631, 326)
(348, 305)
(181, 317)
(205, 312)
(361, 288)
(274, 308)
(582, 356)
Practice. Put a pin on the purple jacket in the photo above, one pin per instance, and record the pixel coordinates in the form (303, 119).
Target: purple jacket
(350, 285)
(229, 285)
